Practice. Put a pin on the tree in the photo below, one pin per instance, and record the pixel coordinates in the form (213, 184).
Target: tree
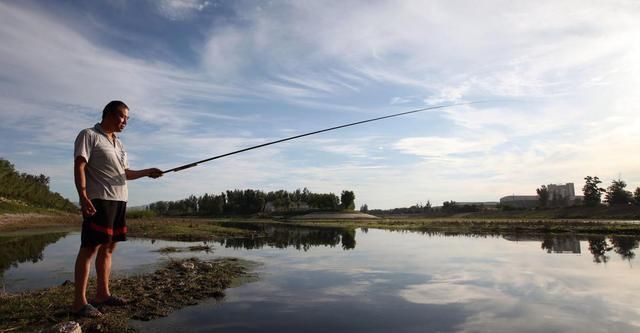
(543, 196)
(592, 193)
(30, 189)
(347, 199)
(616, 194)
(364, 208)
(449, 206)
(427, 207)
(624, 246)
(636, 196)
(598, 247)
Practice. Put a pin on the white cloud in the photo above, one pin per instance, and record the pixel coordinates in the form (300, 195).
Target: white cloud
(568, 70)
(443, 147)
(180, 9)
(449, 293)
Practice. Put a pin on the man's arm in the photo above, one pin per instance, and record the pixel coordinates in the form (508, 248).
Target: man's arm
(135, 174)
(79, 166)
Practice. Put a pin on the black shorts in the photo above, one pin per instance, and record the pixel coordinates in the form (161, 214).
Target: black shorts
(106, 225)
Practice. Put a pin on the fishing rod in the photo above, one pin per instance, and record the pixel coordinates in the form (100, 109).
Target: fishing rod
(190, 165)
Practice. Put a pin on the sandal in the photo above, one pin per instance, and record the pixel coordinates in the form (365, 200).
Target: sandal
(113, 301)
(88, 311)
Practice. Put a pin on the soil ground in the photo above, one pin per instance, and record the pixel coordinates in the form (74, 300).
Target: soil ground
(180, 283)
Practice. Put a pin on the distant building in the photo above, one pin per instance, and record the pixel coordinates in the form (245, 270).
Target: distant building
(520, 201)
(559, 195)
(270, 207)
(562, 192)
(561, 245)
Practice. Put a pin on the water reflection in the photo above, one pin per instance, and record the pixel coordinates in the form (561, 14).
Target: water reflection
(15, 250)
(561, 244)
(304, 238)
(300, 238)
(395, 282)
(622, 245)
(410, 282)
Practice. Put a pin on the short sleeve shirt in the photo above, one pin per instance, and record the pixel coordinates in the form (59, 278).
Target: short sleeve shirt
(106, 164)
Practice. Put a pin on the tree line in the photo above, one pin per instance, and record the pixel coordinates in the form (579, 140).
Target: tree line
(249, 202)
(593, 195)
(30, 189)
(615, 194)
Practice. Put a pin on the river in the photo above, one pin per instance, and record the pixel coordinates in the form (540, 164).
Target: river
(339, 280)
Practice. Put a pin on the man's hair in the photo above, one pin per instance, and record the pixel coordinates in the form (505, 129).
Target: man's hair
(112, 107)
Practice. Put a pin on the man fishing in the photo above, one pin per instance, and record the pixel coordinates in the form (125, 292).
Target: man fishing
(101, 172)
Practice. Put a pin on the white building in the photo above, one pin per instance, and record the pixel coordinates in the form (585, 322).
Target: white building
(562, 192)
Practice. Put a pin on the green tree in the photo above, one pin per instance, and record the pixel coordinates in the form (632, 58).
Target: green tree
(543, 196)
(616, 193)
(449, 206)
(592, 192)
(347, 200)
(636, 196)
(30, 189)
(364, 208)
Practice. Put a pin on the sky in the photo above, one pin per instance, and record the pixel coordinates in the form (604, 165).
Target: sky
(204, 77)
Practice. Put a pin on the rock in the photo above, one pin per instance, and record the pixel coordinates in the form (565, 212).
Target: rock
(67, 283)
(188, 265)
(64, 327)
(97, 327)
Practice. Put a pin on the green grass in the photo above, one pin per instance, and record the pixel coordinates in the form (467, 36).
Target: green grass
(622, 212)
(182, 229)
(18, 207)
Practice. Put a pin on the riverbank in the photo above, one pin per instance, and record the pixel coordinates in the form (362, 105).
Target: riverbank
(13, 222)
(178, 229)
(178, 284)
(205, 229)
(491, 226)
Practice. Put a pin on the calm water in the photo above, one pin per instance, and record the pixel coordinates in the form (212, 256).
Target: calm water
(316, 280)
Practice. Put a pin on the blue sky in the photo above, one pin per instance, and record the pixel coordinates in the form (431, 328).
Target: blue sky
(207, 77)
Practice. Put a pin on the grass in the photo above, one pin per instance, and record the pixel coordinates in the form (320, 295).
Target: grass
(10, 206)
(38, 221)
(182, 229)
(479, 226)
(205, 229)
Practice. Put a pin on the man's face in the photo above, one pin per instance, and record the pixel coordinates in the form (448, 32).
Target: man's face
(120, 118)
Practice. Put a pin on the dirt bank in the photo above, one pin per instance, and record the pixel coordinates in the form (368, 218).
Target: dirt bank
(178, 284)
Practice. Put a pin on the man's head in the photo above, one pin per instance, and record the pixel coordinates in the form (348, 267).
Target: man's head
(115, 116)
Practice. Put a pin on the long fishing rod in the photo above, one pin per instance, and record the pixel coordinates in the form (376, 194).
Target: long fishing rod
(190, 165)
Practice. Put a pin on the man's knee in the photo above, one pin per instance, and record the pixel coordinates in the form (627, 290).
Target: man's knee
(87, 251)
(107, 249)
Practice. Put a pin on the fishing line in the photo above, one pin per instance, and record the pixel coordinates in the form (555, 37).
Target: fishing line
(190, 165)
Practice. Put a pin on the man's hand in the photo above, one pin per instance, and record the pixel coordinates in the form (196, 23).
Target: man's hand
(154, 173)
(87, 207)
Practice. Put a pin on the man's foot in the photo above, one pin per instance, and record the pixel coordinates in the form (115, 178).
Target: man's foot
(112, 301)
(87, 311)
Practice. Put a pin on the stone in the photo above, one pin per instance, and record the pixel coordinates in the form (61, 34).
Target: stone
(64, 327)
(188, 265)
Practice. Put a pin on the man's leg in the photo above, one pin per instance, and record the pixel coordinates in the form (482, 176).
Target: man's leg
(81, 276)
(103, 271)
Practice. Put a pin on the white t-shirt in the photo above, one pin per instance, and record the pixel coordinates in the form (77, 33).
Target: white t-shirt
(106, 164)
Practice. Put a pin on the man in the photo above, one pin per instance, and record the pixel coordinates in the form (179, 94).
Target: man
(101, 172)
